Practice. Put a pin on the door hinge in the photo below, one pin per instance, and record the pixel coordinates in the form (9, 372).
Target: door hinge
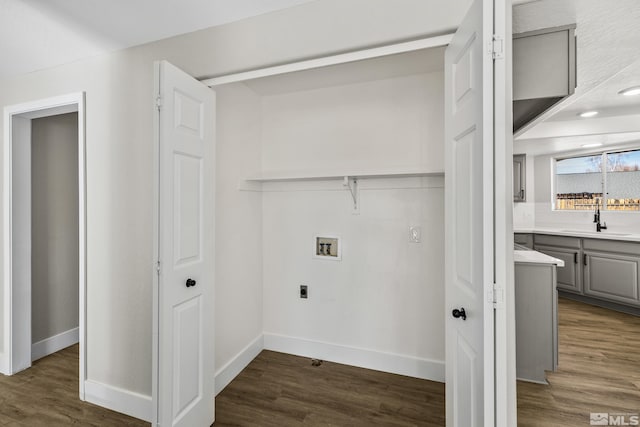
(497, 47)
(158, 102)
(496, 296)
(158, 267)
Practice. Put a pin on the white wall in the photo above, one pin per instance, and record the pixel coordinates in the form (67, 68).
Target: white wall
(625, 222)
(391, 123)
(119, 135)
(386, 295)
(54, 222)
(238, 277)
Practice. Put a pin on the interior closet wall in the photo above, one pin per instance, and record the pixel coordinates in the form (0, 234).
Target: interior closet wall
(54, 225)
(386, 295)
(238, 222)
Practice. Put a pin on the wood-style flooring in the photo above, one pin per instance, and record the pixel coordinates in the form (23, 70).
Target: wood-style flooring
(281, 390)
(47, 395)
(598, 369)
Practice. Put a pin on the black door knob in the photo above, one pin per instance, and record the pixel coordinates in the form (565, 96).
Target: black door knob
(190, 283)
(459, 313)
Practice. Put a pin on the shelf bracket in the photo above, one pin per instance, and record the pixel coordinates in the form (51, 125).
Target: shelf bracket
(352, 185)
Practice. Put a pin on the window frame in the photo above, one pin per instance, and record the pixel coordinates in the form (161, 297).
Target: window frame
(604, 172)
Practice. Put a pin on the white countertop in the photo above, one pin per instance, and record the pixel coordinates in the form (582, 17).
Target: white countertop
(590, 234)
(533, 257)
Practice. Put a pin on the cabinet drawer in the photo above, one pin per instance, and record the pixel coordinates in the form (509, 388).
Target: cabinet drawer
(611, 246)
(612, 276)
(564, 241)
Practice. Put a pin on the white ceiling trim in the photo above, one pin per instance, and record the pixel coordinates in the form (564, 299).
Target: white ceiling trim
(326, 61)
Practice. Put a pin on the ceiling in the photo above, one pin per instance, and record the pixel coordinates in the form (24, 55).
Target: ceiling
(608, 60)
(39, 34)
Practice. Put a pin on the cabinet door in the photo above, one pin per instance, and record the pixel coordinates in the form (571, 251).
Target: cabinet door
(524, 239)
(612, 276)
(519, 174)
(569, 275)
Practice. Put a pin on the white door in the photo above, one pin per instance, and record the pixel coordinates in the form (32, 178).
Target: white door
(183, 341)
(469, 227)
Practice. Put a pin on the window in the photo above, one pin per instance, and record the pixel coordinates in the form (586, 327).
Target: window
(581, 182)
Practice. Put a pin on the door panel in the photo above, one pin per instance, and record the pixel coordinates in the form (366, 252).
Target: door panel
(569, 275)
(187, 363)
(469, 228)
(184, 389)
(188, 210)
(612, 276)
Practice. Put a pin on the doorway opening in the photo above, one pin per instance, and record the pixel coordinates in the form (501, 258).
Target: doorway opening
(44, 228)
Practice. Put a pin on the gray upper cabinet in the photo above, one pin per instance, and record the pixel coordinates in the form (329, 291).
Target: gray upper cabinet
(544, 71)
(519, 178)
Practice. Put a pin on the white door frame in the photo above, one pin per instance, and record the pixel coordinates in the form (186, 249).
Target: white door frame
(11, 360)
(505, 380)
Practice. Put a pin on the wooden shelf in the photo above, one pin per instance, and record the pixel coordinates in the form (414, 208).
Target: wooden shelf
(331, 175)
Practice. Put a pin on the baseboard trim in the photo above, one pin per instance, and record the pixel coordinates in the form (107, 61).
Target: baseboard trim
(116, 399)
(230, 370)
(55, 343)
(427, 369)
(4, 365)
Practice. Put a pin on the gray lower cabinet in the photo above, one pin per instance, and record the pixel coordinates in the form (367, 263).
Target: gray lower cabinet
(536, 300)
(524, 239)
(568, 249)
(602, 270)
(569, 275)
(611, 270)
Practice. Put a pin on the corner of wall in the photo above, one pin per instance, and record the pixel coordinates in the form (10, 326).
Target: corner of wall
(229, 371)
(3, 365)
(116, 399)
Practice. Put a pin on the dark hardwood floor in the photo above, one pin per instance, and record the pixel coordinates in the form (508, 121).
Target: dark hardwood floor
(47, 395)
(598, 369)
(280, 390)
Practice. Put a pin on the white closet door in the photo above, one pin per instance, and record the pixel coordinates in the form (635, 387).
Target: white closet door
(469, 225)
(185, 376)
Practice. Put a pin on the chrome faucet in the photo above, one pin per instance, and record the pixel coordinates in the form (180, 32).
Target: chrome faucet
(596, 218)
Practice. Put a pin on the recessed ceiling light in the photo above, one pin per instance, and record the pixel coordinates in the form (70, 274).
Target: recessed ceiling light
(588, 114)
(595, 144)
(630, 91)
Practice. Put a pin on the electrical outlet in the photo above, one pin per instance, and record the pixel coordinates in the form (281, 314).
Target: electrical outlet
(303, 291)
(415, 234)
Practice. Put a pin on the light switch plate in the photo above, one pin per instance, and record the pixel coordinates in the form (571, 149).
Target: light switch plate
(415, 234)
